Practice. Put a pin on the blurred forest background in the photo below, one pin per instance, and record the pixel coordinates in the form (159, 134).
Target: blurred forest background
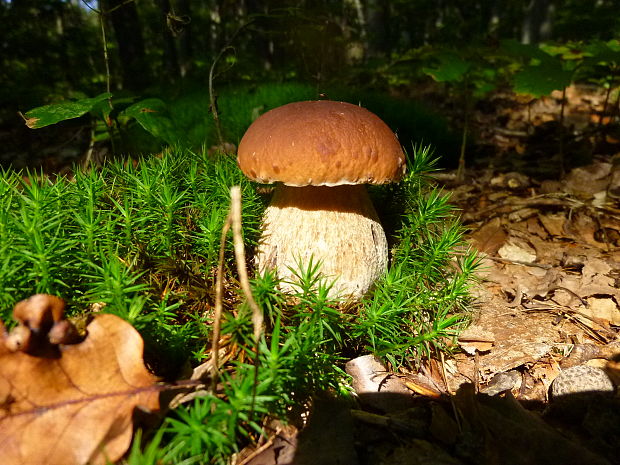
(407, 60)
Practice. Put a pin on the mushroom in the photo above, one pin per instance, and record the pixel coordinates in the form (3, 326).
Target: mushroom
(322, 153)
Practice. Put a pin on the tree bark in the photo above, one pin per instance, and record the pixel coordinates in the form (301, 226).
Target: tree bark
(128, 33)
(170, 58)
(186, 50)
(537, 21)
(261, 44)
(379, 28)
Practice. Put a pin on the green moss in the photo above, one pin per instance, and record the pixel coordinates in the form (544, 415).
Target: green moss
(143, 240)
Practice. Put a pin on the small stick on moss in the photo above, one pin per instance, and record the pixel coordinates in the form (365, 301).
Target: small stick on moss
(234, 219)
(217, 317)
(257, 314)
(455, 410)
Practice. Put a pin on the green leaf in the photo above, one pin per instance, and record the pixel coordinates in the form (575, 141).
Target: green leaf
(570, 51)
(603, 52)
(449, 67)
(528, 51)
(152, 114)
(542, 79)
(51, 114)
(482, 88)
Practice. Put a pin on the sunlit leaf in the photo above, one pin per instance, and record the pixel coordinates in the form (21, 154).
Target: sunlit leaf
(449, 67)
(542, 79)
(51, 114)
(152, 115)
(565, 51)
(527, 51)
(76, 407)
(603, 52)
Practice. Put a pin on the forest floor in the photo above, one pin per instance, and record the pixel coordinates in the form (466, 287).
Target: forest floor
(548, 301)
(542, 205)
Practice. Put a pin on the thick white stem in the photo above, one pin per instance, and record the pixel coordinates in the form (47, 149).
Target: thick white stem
(337, 226)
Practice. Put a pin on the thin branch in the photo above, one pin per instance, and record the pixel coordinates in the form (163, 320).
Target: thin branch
(562, 134)
(234, 219)
(257, 314)
(106, 59)
(217, 317)
(106, 12)
(212, 76)
(213, 99)
(94, 10)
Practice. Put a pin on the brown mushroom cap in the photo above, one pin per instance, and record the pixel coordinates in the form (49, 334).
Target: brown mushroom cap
(321, 143)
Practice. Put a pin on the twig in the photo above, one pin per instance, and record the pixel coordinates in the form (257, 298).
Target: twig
(217, 317)
(257, 314)
(106, 61)
(460, 172)
(107, 11)
(477, 372)
(602, 115)
(510, 132)
(515, 262)
(213, 99)
(562, 135)
(602, 334)
(445, 380)
(260, 449)
(234, 219)
(89, 151)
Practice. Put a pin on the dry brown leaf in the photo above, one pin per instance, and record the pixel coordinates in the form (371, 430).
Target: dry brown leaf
(588, 179)
(75, 408)
(517, 250)
(41, 327)
(602, 308)
(553, 223)
(476, 346)
(613, 371)
(31, 122)
(583, 227)
(475, 339)
(501, 431)
(490, 237)
(423, 390)
(534, 227)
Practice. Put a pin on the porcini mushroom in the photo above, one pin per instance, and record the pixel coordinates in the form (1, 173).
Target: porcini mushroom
(321, 153)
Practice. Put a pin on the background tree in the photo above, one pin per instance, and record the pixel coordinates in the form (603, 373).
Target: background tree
(53, 48)
(135, 68)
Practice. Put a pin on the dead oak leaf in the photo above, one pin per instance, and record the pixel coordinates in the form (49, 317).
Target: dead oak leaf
(490, 237)
(76, 408)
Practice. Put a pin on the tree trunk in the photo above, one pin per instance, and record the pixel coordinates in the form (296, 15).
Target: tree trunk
(379, 28)
(260, 43)
(537, 21)
(170, 58)
(128, 34)
(186, 51)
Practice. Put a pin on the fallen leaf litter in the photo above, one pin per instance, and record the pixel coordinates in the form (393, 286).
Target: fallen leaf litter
(70, 404)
